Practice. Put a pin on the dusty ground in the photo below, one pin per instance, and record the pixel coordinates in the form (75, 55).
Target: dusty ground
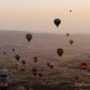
(44, 47)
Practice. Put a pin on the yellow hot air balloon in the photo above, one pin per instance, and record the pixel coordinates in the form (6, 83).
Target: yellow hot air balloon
(22, 68)
(60, 51)
(71, 42)
(28, 37)
(17, 64)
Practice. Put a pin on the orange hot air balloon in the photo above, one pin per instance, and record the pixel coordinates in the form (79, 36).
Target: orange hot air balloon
(60, 51)
(28, 37)
(71, 42)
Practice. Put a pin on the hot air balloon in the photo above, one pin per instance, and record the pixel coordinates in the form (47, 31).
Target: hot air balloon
(60, 51)
(84, 65)
(67, 34)
(17, 65)
(70, 10)
(23, 62)
(13, 49)
(48, 64)
(17, 57)
(57, 22)
(71, 42)
(22, 68)
(28, 37)
(35, 59)
(34, 71)
(51, 66)
(4, 53)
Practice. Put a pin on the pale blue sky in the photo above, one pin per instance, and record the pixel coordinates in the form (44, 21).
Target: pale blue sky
(38, 15)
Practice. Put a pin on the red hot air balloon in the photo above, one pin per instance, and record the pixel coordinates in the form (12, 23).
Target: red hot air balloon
(84, 65)
(34, 71)
(51, 66)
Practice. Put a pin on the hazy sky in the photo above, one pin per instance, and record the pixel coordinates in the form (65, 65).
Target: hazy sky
(38, 15)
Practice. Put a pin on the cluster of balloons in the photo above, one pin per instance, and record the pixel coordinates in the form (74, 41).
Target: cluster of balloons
(17, 57)
(57, 22)
(60, 51)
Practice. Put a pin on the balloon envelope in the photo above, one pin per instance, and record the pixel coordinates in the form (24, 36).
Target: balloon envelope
(4, 53)
(70, 10)
(57, 22)
(23, 62)
(35, 59)
(51, 66)
(13, 50)
(67, 34)
(17, 57)
(84, 65)
(28, 37)
(60, 51)
(48, 63)
(71, 42)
